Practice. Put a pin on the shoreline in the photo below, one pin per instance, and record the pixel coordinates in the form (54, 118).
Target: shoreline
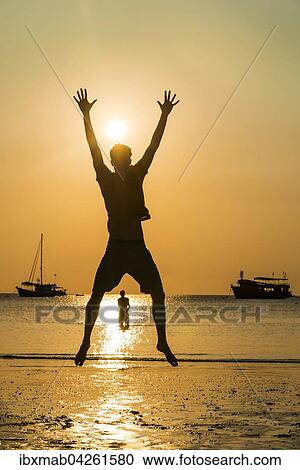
(108, 357)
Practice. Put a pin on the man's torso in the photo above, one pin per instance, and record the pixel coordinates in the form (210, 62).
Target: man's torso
(123, 303)
(124, 202)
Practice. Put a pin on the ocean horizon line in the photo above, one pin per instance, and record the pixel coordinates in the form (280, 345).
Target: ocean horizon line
(77, 294)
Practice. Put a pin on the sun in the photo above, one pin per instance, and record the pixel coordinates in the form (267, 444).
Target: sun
(115, 129)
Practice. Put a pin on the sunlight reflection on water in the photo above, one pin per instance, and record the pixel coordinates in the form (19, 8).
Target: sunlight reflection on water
(113, 341)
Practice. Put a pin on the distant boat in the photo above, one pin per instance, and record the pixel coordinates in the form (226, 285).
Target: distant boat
(262, 288)
(39, 289)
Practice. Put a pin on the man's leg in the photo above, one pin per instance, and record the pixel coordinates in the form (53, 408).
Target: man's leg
(127, 319)
(159, 315)
(108, 276)
(121, 317)
(91, 313)
(145, 272)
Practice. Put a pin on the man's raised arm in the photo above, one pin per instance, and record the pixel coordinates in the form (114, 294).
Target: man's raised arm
(166, 107)
(85, 108)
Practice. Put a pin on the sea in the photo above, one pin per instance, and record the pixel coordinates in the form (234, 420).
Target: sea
(199, 328)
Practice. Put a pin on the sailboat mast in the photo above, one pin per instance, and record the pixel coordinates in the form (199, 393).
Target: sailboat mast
(41, 268)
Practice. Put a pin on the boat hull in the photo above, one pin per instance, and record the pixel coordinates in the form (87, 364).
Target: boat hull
(34, 293)
(248, 293)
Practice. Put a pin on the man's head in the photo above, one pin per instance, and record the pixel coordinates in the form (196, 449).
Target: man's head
(122, 293)
(120, 156)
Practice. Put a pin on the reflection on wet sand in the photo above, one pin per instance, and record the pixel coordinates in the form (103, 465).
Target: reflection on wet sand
(148, 406)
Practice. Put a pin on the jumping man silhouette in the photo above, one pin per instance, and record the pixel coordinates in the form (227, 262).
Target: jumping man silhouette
(126, 251)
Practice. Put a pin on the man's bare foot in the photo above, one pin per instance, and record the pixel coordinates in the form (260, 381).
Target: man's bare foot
(164, 348)
(81, 355)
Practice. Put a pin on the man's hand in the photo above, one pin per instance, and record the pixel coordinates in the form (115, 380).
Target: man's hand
(82, 101)
(167, 106)
(85, 106)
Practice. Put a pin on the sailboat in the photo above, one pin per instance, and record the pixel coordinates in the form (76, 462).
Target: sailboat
(39, 289)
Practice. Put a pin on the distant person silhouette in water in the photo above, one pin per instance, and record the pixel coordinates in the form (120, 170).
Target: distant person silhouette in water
(124, 306)
(126, 251)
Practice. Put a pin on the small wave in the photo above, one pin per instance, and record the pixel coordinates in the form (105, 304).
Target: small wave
(97, 357)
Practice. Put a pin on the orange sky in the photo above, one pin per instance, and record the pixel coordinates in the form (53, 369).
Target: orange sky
(236, 207)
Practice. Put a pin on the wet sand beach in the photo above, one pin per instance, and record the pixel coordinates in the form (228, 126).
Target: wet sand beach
(117, 404)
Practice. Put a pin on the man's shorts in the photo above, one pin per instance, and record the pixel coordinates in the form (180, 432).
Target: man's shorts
(131, 257)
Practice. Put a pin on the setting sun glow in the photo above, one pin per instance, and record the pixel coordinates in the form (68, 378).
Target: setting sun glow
(115, 130)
